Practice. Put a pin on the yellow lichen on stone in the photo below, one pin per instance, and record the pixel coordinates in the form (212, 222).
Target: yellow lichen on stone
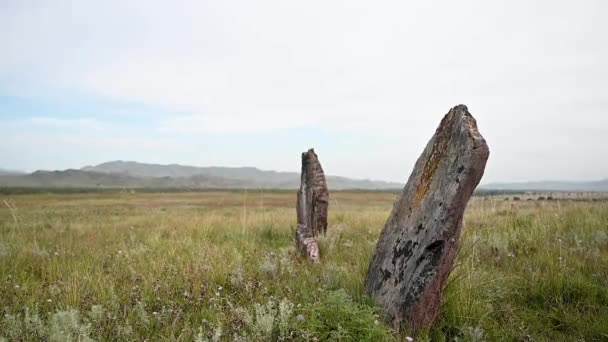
(437, 154)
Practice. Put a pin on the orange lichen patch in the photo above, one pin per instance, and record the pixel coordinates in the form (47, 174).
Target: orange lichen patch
(442, 138)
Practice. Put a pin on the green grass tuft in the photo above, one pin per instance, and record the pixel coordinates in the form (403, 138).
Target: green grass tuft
(218, 266)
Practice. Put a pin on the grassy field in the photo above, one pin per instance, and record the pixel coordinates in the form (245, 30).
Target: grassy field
(222, 266)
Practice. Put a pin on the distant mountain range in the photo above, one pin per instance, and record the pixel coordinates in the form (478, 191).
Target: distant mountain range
(593, 186)
(126, 174)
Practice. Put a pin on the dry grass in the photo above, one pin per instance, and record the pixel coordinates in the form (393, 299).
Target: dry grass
(221, 265)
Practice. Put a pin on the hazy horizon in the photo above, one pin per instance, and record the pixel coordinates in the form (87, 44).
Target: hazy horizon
(255, 84)
(483, 183)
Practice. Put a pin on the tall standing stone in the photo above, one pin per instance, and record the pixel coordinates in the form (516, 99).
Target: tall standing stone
(416, 250)
(313, 199)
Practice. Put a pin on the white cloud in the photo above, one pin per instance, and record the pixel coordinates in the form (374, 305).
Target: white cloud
(534, 74)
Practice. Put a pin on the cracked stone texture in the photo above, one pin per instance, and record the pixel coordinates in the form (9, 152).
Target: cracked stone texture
(307, 244)
(416, 250)
(312, 205)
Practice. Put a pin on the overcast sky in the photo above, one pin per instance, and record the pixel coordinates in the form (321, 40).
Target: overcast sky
(255, 83)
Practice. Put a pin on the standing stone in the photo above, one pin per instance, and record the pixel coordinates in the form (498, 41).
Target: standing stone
(416, 250)
(313, 198)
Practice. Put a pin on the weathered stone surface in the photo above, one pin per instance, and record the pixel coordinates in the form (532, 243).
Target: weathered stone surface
(313, 198)
(307, 244)
(416, 250)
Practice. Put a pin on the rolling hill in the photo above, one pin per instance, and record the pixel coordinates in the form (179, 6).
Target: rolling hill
(130, 174)
(89, 179)
(121, 174)
(5, 172)
(251, 176)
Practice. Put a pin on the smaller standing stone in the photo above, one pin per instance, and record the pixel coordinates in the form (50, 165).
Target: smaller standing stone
(312, 204)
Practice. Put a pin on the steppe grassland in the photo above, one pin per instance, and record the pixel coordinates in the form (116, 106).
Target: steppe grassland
(221, 266)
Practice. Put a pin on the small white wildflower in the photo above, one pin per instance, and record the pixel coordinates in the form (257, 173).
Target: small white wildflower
(376, 322)
(409, 339)
(217, 334)
(270, 267)
(236, 277)
(154, 313)
(199, 337)
(97, 313)
(4, 249)
(220, 288)
(54, 290)
(56, 253)
(265, 315)
(285, 312)
(17, 287)
(217, 294)
(300, 318)
(474, 334)
(49, 300)
(68, 326)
